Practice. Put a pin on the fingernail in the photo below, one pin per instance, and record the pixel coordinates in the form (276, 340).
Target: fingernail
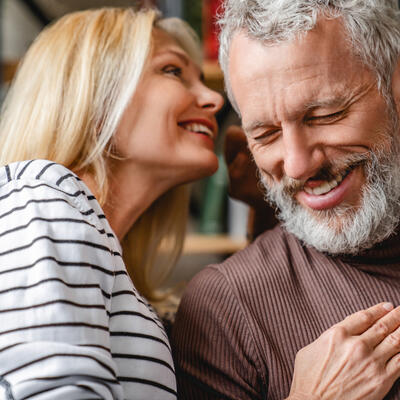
(388, 306)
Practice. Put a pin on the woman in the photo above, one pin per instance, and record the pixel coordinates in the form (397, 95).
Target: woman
(114, 98)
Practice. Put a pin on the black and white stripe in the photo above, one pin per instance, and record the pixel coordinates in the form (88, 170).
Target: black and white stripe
(72, 325)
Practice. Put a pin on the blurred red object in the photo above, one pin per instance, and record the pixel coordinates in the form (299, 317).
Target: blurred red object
(147, 3)
(210, 30)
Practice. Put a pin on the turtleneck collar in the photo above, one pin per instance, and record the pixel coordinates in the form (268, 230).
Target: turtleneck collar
(384, 253)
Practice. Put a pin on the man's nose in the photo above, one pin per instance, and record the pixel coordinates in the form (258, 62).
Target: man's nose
(303, 156)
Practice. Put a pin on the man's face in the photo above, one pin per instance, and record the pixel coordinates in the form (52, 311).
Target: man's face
(312, 114)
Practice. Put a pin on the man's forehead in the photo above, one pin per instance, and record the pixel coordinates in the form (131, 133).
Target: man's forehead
(321, 63)
(327, 41)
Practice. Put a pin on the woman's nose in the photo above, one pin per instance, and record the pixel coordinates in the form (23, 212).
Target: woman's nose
(209, 99)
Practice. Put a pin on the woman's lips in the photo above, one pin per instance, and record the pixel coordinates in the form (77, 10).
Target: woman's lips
(331, 199)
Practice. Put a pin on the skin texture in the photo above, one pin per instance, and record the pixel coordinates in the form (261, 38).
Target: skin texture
(303, 104)
(154, 152)
(306, 103)
(360, 359)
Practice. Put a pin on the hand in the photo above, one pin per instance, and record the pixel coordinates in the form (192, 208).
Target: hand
(356, 359)
(243, 180)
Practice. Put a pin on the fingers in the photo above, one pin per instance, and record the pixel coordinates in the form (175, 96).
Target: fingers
(393, 367)
(359, 322)
(237, 168)
(235, 142)
(384, 334)
(389, 349)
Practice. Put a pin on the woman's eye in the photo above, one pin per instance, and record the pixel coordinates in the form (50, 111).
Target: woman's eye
(173, 70)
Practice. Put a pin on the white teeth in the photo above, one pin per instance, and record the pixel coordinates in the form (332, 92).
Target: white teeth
(334, 183)
(199, 128)
(324, 187)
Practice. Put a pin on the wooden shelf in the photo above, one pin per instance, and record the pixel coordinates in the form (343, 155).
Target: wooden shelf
(8, 70)
(212, 244)
(213, 75)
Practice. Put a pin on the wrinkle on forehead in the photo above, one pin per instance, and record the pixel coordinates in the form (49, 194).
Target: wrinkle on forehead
(163, 41)
(290, 77)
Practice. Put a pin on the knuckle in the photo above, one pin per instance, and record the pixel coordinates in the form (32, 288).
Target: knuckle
(365, 317)
(337, 332)
(382, 329)
(394, 339)
(396, 362)
(393, 367)
(359, 348)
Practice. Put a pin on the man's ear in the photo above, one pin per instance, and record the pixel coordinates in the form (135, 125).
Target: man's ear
(396, 85)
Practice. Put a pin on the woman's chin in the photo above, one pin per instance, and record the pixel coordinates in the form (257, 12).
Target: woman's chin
(211, 168)
(201, 170)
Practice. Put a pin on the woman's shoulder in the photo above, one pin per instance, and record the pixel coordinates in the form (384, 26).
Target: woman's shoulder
(51, 173)
(46, 207)
(26, 178)
(45, 187)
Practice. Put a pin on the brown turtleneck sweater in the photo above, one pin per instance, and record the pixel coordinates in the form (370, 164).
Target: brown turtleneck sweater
(241, 323)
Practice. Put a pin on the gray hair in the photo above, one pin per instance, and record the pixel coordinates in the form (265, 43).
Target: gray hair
(373, 29)
(185, 35)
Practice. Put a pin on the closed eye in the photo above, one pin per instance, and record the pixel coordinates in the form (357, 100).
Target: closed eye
(328, 118)
(266, 136)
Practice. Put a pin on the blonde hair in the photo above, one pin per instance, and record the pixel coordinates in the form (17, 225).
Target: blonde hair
(66, 102)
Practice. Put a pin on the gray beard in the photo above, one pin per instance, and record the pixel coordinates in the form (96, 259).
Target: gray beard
(345, 229)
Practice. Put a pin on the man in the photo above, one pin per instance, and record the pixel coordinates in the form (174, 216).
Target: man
(317, 86)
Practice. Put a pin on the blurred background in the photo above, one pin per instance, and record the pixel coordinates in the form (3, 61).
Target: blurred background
(217, 224)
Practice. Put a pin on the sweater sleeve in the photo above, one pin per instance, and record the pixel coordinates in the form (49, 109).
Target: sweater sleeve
(56, 276)
(213, 346)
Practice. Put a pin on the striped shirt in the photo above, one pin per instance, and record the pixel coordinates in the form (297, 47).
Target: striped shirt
(72, 325)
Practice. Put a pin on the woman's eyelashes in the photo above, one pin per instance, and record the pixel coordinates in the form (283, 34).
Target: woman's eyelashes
(173, 70)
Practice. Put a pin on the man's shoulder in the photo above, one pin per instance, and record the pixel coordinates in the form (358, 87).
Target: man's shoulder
(275, 256)
(252, 279)
(272, 247)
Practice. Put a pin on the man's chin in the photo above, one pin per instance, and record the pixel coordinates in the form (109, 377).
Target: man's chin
(341, 230)
(323, 230)
(335, 219)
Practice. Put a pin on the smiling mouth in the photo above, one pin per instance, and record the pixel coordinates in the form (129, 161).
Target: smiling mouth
(326, 186)
(198, 128)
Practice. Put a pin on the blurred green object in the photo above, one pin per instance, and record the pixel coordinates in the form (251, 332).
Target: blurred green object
(213, 213)
(192, 12)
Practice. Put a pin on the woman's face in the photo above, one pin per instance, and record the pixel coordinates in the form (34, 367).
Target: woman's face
(169, 127)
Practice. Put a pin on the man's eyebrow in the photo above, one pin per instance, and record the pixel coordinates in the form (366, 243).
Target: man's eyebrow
(255, 125)
(336, 101)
